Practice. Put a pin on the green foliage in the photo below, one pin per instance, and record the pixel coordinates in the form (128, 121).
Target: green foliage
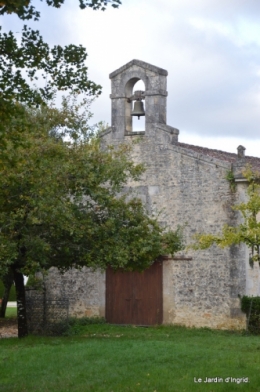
(75, 326)
(246, 302)
(11, 313)
(251, 306)
(25, 10)
(74, 321)
(173, 241)
(60, 203)
(34, 282)
(247, 232)
(231, 178)
(101, 127)
(12, 294)
(25, 61)
(61, 68)
(32, 154)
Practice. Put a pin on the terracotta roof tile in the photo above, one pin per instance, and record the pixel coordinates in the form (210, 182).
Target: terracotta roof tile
(222, 155)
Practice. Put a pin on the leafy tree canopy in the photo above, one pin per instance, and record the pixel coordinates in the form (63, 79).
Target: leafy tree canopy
(25, 62)
(25, 10)
(247, 232)
(62, 203)
(31, 72)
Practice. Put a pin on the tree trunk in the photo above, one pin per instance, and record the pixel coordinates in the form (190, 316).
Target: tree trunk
(21, 305)
(7, 281)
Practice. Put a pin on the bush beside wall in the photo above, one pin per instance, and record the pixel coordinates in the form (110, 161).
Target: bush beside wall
(251, 306)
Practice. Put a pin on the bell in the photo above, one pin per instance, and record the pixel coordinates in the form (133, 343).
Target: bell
(138, 109)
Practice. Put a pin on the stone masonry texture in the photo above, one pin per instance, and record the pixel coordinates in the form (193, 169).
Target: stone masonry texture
(187, 186)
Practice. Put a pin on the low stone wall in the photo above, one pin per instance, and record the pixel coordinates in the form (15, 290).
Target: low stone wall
(84, 288)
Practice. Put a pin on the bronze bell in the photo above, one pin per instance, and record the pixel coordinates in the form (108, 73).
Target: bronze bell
(138, 109)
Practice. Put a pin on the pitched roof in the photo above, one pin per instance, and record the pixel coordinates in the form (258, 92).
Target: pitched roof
(141, 64)
(222, 155)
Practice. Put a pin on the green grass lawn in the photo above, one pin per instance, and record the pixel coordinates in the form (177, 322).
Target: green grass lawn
(11, 312)
(122, 359)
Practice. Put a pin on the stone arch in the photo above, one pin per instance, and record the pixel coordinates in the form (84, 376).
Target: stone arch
(122, 83)
(129, 88)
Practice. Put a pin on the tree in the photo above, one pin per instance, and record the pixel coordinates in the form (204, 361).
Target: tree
(62, 203)
(23, 63)
(7, 282)
(25, 10)
(247, 232)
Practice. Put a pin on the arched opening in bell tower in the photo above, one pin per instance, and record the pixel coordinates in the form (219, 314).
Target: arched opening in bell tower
(132, 122)
(139, 124)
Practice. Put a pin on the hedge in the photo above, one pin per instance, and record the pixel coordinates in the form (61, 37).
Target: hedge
(251, 306)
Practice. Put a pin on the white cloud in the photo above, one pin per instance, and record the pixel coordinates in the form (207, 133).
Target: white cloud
(211, 50)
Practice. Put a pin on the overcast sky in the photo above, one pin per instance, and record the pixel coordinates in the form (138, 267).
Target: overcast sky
(210, 48)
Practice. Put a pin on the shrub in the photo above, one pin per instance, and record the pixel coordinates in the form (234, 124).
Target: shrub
(251, 306)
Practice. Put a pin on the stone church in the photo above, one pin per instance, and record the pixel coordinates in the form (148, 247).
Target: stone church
(188, 185)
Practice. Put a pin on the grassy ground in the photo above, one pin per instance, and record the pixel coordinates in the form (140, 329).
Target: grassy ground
(10, 320)
(11, 312)
(122, 359)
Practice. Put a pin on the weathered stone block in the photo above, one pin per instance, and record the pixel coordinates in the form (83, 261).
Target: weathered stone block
(188, 185)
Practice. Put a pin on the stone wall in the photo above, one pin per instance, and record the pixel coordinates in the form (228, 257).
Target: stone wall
(185, 188)
(190, 190)
(85, 290)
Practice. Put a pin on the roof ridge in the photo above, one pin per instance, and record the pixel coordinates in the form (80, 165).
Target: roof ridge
(141, 64)
(214, 149)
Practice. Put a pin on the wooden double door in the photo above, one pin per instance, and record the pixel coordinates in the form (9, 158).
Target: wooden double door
(134, 297)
